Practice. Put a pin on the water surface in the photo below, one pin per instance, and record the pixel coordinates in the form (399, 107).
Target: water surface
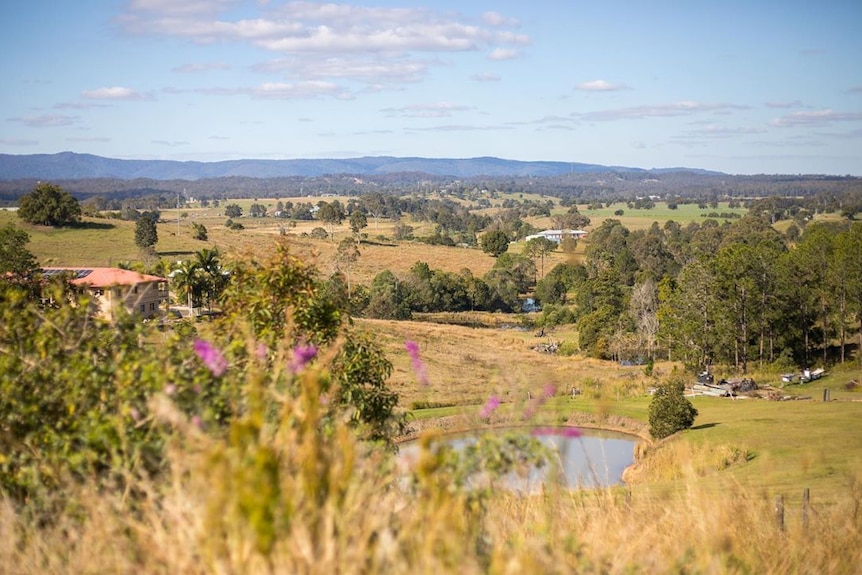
(595, 459)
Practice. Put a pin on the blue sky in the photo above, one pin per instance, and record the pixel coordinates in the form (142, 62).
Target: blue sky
(737, 86)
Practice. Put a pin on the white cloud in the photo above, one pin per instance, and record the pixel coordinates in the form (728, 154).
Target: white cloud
(485, 77)
(114, 93)
(369, 69)
(682, 108)
(45, 120)
(497, 19)
(170, 144)
(503, 54)
(95, 139)
(599, 86)
(79, 105)
(18, 142)
(436, 110)
(378, 46)
(460, 128)
(815, 118)
(298, 90)
(716, 132)
(312, 27)
(851, 135)
(200, 67)
(790, 104)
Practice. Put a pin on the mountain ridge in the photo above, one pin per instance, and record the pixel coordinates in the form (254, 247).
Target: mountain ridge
(73, 165)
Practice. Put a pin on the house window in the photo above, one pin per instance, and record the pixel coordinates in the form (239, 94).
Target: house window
(152, 306)
(135, 289)
(143, 308)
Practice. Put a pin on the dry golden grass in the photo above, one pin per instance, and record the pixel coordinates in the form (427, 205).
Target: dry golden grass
(465, 365)
(338, 507)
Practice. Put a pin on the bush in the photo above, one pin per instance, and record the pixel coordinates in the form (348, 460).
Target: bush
(669, 410)
(77, 392)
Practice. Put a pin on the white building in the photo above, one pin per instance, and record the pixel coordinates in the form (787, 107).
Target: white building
(557, 235)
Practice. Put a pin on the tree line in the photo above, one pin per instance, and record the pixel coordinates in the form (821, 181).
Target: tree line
(737, 294)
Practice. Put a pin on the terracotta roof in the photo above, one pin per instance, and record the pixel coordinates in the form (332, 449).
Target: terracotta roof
(104, 277)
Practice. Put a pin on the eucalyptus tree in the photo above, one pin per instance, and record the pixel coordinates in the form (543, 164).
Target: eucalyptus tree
(735, 273)
(346, 255)
(643, 307)
(812, 256)
(539, 248)
(358, 222)
(690, 315)
(852, 246)
(608, 248)
(332, 213)
(649, 249)
(845, 278)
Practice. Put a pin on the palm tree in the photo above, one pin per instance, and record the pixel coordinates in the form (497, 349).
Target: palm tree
(214, 277)
(187, 277)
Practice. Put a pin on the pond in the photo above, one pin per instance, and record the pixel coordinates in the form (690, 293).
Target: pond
(596, 458)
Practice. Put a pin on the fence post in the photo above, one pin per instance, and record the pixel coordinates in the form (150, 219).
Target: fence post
(806, 502)
(779, 512)
(826, 394)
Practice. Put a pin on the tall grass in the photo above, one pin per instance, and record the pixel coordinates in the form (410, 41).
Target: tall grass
(287, 499)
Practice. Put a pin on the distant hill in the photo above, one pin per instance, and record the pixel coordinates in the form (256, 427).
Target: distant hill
(69, 165)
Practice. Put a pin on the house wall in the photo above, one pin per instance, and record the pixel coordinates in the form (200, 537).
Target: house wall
(144, 299)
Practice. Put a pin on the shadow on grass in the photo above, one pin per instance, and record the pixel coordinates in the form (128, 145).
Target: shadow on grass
(176, 253)
(378, 243)
(92, 226)
(704, 426)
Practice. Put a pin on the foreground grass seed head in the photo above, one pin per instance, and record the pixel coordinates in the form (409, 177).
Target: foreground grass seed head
(211, 357)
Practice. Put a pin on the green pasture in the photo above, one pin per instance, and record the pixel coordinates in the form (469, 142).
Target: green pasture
(641, 219)
(790, 445)
(105, 242)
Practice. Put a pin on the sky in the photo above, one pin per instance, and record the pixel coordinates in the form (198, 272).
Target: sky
(739, 86)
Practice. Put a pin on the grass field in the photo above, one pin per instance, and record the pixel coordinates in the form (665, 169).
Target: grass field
(782, 446)
(794, 443)
(698, 502)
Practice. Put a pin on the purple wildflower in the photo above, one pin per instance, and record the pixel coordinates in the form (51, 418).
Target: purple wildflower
(548, 392)
(302, 355)
(570, 432)
(418, 366)
(492, 404)
(261, 351)
(198, 422)
(170, 389)
(211, 356)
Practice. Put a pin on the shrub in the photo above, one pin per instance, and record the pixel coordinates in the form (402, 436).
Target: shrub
(669, 410)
